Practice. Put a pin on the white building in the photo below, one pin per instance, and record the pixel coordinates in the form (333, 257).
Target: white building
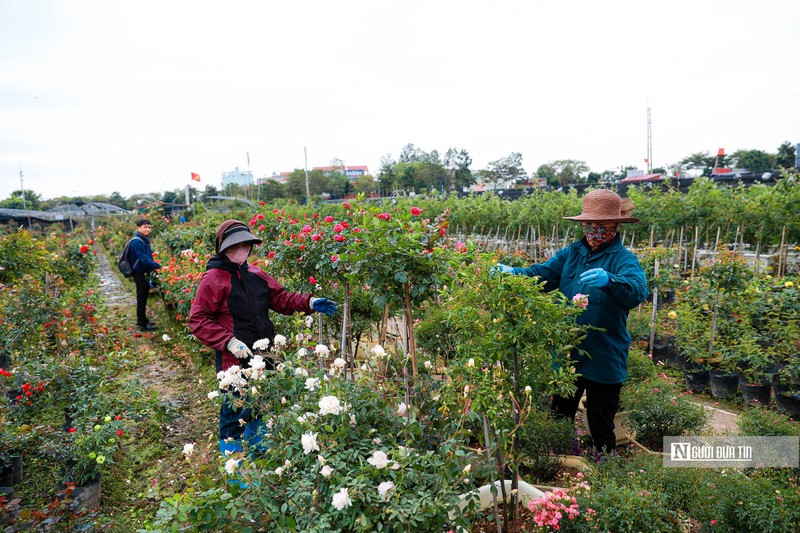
(237, 177)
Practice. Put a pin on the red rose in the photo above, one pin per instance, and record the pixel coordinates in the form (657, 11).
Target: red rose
(346, 205)
(84, 249)
(260, 216)
(416, 211)
(270, 255)
(328, 219)
(338, 228)
(72, 430)
(312, 280)
(338, 238)
(119, 432)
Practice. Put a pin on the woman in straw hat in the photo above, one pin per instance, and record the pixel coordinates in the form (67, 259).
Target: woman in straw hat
(600, 267)
(231, 312)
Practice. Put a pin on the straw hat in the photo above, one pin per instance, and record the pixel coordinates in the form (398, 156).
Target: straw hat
(603, 205)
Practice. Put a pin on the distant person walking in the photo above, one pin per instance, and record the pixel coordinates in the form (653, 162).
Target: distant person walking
(141, 256)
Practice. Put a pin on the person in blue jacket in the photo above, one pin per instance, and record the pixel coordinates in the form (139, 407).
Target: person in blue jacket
(141, 256)
(599, 266)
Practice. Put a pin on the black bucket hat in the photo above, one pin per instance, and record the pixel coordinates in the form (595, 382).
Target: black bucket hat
(233, 232)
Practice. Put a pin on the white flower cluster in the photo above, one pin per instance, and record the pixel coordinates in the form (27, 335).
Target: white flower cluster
(261, 344)
(378, 351)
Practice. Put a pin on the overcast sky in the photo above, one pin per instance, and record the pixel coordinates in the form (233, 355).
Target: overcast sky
(103, 96)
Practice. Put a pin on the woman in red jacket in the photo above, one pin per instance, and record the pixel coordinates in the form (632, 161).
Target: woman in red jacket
(231, 311)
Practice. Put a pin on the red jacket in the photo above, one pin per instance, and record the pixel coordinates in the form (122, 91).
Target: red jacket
(234, 301)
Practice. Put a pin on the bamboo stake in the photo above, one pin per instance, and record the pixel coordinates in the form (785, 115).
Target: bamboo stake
(736, 238)
(652, 233)
(653, 317)
(758, 257)
(694, 252)
(714, 324)
(780, 253)
(716, 244)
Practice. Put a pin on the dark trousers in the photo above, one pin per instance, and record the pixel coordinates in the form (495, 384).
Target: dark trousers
(602, 404)
(142, 292)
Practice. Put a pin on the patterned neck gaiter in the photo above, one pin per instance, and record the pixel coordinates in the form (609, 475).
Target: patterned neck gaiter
(596, 236)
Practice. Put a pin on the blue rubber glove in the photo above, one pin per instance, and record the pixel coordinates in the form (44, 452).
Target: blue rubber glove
(323, 305)
(596, 277)
(505, 269)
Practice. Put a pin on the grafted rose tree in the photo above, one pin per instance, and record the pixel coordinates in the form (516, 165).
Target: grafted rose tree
(402, 258)
(515, 346)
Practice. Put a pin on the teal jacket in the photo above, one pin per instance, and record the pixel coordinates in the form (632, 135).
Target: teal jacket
(608, 306)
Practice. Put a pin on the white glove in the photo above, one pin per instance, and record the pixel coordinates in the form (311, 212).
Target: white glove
(239, 349)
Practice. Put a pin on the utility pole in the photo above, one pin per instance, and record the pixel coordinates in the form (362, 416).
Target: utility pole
(22, 189)
(305, 165)
(649, 143)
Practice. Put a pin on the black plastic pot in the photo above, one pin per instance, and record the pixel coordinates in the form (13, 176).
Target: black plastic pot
(723, 385)
(663, 347)
(755, 393)
(787, 402)
(11, 474)
(675, 359)
(696, 379)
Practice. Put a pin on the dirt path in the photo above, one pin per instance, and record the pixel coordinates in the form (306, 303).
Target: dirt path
(174, 370)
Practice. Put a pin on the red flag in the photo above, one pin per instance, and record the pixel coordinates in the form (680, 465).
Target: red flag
(195, 177)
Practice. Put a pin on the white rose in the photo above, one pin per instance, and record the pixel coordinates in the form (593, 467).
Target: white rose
(279, 471)
(341, 499)
(312, 384)
(280, 340)
(326, 471)
(188, 449)
(329, 405)
(321, 349)
(384, 488)
(309, 441)
(299, 371)
(231, 465)
(378, 351)
(309, 321)
(213, 394)
(471, 363)
(261, 344)
(339, 362)
(379, 460)
(428, 365)
(301, 352)
(402, 408)
(165, 337)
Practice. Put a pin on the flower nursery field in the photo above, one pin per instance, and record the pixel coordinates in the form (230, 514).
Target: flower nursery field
(431, 381)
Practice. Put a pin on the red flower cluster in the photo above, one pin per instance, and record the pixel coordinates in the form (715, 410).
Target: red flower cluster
(385, 216)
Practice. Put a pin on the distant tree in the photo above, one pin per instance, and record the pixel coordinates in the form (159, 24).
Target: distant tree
(318, 183)
(32, 201)
(210, 190)
(659, 170)
(172, 197)
(704, 161)
(569, 171)
(753, 160)
(505, 170)
(548, 173)
(365, 184)
(387, 175)
(118, 200)
(456, 163)
(411, 154)
(272, 190)
(593, 177)
(786, 155)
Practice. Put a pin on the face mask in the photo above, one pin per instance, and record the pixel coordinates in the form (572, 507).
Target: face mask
(238, 255)
(597, 235)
